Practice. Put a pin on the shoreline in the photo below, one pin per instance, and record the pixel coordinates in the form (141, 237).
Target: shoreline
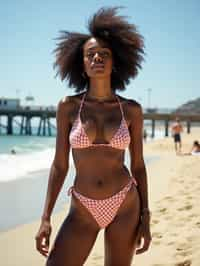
(174, 183)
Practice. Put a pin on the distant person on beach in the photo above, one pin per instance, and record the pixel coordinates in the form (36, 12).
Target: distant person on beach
(13, 151)
(176, 133)
(195, 150)
(99, 126)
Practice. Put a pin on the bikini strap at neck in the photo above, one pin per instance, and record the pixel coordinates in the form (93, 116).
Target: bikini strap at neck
(83, 98)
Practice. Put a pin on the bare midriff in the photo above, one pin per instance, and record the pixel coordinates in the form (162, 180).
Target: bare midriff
(102, 175)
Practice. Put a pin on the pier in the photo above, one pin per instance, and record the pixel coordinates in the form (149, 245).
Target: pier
(45, 126)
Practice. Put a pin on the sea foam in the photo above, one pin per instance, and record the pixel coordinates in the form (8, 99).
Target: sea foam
(15, 166)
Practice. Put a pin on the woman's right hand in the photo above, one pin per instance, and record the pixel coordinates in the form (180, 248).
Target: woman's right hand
(42, 238)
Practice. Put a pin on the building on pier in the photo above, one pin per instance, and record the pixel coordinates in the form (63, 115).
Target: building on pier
(14, 115)
(9, 103)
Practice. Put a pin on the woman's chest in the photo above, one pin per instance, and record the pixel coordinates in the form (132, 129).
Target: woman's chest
(101, 123)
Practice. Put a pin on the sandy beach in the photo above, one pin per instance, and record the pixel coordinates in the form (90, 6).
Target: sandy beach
(174, 185)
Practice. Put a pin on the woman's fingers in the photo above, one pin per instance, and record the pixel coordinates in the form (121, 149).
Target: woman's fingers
(145, 246)
(42, 244)
(44, 250)
(42, 238)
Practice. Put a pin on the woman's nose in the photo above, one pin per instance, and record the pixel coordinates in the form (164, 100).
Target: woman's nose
(98, 58)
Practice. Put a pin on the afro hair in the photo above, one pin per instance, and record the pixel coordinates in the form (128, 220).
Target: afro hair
(123, 39)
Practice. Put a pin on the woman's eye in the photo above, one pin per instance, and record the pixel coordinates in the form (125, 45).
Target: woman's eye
(90, 55)
(102, 54)
(105, 54)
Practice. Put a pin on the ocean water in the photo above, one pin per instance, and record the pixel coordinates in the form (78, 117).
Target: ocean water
(32, 154)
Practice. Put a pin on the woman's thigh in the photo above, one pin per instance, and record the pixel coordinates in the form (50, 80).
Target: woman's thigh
(73, 243)
(121, 234)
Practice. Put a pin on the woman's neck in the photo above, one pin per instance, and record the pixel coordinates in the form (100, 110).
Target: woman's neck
(100, 89)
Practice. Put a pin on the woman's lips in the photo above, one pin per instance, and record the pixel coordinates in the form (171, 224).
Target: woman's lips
(98, 66)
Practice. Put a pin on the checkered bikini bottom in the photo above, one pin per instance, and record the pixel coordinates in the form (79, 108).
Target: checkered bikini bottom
(104, 211)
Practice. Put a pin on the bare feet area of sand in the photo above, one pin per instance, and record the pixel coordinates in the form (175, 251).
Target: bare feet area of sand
(174, 185)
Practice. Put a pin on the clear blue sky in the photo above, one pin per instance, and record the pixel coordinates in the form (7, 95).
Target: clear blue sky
(170, 29)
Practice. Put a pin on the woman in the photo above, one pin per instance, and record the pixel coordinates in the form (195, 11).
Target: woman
(195, 150)
(99, 125)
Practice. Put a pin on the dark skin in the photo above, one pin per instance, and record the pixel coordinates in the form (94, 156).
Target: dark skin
(100, 172)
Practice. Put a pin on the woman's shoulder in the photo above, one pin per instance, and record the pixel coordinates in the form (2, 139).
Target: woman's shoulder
(132, 109)
(130, 105)
(70, 101)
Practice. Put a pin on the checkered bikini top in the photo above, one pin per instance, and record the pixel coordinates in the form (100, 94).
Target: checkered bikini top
(79, 139)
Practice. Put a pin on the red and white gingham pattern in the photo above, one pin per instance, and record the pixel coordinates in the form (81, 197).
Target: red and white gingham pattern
(79, 139)
(104, 211)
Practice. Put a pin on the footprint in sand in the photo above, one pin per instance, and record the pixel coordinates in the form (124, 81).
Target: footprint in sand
(156, 235)
(168, 198)
(183, 253)
(198, 224)
(184, 263)
(190, 197)
(183, 250)
(185, 208)
(163, 210)
(155, 222)
(171, 243)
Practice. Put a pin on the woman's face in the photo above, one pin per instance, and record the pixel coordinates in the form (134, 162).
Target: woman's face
(97, 58)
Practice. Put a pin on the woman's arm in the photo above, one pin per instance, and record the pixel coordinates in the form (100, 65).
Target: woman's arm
(57, 175)
(60, 163)
(138, 170)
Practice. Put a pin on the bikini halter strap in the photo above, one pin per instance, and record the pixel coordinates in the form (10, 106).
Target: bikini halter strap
(120, 105)
(81, 105)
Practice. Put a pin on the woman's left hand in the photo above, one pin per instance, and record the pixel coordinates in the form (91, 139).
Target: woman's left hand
(144, 235)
